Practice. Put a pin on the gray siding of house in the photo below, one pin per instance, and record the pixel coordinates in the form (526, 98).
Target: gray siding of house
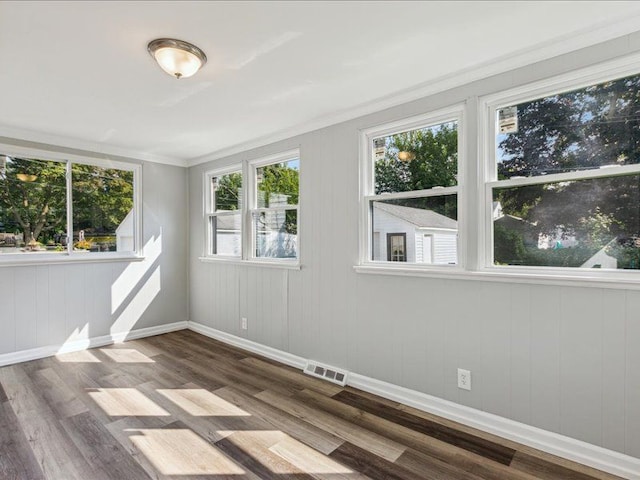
(560, 358)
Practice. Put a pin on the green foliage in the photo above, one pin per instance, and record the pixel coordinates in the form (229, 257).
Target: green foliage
(102, 198)
(508, 246)
(229, 192)
(433, 160)
(577, 130)
(626, 251)
(35, 208)
(277, 181)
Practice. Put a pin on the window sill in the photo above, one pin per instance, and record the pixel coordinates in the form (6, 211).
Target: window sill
(34, 259)
(618, 280)
(284, 264)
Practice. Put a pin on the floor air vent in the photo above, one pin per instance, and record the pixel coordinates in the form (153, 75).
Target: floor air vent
(331, 374)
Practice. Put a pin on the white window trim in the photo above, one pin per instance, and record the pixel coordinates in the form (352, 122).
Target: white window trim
(479, 162)
(21, 259)
(367, 194)
(209, 211)
(252, 187)
(248, 168)
(487, 108)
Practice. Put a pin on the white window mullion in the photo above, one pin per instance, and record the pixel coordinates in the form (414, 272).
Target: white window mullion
(69, 178)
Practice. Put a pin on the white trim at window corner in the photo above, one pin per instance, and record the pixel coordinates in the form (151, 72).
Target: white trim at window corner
(457, 113)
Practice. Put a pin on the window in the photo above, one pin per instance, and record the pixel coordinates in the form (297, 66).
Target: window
(225, 214)
(66, 208)
(564, 178)
(259, 222)
(397, 247)
(411, 187)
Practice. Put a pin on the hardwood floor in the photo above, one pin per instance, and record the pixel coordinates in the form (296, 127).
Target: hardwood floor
(183, 406)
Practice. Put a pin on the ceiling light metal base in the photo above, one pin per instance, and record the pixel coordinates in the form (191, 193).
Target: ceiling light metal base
(175, 65)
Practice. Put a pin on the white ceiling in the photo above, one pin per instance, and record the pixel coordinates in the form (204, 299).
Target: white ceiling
(78, 74)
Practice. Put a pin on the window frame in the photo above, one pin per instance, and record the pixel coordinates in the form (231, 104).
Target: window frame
(252, 206)
(487, 178)
(457, 113)
(71, 256)
(209, 211)
(248, 169)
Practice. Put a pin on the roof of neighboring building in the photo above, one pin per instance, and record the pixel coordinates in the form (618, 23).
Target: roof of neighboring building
(418, 216)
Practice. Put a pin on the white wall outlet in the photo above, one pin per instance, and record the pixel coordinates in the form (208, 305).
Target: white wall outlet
(464, 379)
(243, 323)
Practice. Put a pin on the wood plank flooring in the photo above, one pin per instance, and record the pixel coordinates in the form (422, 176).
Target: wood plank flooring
(183, 406)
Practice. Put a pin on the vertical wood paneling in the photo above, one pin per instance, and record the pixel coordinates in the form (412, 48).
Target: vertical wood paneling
(413, 348)
(468, 339)
(57, 310)
(581, 364)
(545, 357)
(42, 306)
(76, 319)
(613, 368)
(632, 384)
(494, 381)
(25, 308)
(520, 347)
(435, 319)
(7, 311)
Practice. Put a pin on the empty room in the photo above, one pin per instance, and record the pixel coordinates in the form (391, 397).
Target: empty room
(319, 240)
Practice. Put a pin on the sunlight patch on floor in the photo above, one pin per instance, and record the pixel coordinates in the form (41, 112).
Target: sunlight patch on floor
(257, 443)
(182, 452)
(202, 403)
(126, 402)
(126, 355)
(82, 356)
(306, 458)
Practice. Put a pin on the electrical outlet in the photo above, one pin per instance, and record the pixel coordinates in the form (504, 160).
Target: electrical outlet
(464, 379)
(243, 323)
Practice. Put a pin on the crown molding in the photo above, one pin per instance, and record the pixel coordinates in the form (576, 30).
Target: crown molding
(544, 51)
(46, 140)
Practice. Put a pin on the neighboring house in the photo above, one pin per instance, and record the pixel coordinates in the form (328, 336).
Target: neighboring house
(415, 235)
(272, 239)
(125, 234)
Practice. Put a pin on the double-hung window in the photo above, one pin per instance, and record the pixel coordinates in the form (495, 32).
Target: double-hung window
(411, 192)
(224, 212)
(274, 207)
(563, 177)
(252, 210)
(61, 207)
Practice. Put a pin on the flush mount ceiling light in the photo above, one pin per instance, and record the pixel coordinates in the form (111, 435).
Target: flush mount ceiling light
(176, 57)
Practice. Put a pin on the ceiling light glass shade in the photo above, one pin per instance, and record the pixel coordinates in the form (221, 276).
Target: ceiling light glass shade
(178, 58)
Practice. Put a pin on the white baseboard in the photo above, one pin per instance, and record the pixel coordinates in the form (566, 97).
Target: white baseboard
(49, 350)
(269, 352)
(597, 457)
